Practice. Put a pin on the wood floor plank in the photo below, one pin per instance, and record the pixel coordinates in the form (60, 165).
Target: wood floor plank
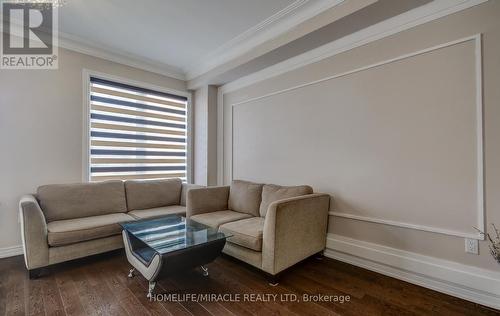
(194, 308)
(259, 284)
(211, 286)
(138, 287)
(15, 304)
(257, 281)
(124, 295)
(152, 307)
(309, 282)
(133, 292)
(227, 280)
(109, 303)
(201, 284)
(99, 286)
(69, 294)
(52, 300)
(371, 283)
(3, 290)
(34, 298)
(91, 301)
(313, 270)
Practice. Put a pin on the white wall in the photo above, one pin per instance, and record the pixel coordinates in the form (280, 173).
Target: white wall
(41, 116)
(200, 138)
(205, 136)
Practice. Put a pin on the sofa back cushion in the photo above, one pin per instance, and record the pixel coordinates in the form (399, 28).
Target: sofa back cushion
(272, 192)
(68, 201)
(143, 194)
(244, 197)
(185, 188)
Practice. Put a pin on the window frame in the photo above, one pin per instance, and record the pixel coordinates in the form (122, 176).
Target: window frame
(87, 74)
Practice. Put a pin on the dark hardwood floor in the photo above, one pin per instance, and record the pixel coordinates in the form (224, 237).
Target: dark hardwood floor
(99, 286)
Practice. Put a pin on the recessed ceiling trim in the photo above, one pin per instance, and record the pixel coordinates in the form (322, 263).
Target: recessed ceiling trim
(426, 13)
(250, 32)
(80, 45)
(280, 22)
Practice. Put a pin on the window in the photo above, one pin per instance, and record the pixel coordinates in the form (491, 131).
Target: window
(136, 133)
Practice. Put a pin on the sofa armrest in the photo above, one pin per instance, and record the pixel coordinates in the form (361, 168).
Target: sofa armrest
(294, 229)
(33, 233)
(185, 188)
(205, 200)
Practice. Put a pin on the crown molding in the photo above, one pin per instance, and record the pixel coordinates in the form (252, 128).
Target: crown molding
(86, 47)
(415, 17)
(277, 24)
(80, 45)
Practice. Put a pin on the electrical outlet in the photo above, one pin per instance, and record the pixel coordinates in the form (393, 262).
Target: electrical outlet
(472, 246)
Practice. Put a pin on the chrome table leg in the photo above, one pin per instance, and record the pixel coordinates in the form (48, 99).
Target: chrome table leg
(131, 273)
(151, 288)
(205, 270)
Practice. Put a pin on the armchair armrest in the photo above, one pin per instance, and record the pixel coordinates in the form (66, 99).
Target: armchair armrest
(33, 233)
(294, 229)
(185, 188)
(205, 200)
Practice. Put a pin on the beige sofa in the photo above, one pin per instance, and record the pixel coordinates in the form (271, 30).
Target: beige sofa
(62, 222)
(272, 227)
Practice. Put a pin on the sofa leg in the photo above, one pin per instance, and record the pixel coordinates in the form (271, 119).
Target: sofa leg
(34, 273)
(273, 280)
(319, 255)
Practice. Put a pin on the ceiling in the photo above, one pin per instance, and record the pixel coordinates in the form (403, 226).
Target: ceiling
(174, 33)
(220, 41)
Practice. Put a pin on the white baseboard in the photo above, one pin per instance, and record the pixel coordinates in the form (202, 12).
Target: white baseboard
(470, 283)
(11, 251)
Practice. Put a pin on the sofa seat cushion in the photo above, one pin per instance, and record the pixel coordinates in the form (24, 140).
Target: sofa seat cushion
(215, 219)
(143, 194)
(246, 232)
(72, 231)
(245, 197)
(159, 211)
(68, 201)
(272, 193)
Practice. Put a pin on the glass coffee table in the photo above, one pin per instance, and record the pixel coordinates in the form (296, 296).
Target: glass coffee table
(163, 246)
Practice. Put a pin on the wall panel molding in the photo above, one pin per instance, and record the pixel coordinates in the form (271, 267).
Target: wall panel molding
(225, 141)
(425, 228)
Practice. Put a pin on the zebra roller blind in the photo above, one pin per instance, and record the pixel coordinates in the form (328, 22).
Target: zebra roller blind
(136, 133)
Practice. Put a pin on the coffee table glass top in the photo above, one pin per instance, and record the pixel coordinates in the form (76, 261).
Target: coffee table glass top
(171, 233)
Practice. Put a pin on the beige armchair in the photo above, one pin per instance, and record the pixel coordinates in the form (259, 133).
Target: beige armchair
(271, 227)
